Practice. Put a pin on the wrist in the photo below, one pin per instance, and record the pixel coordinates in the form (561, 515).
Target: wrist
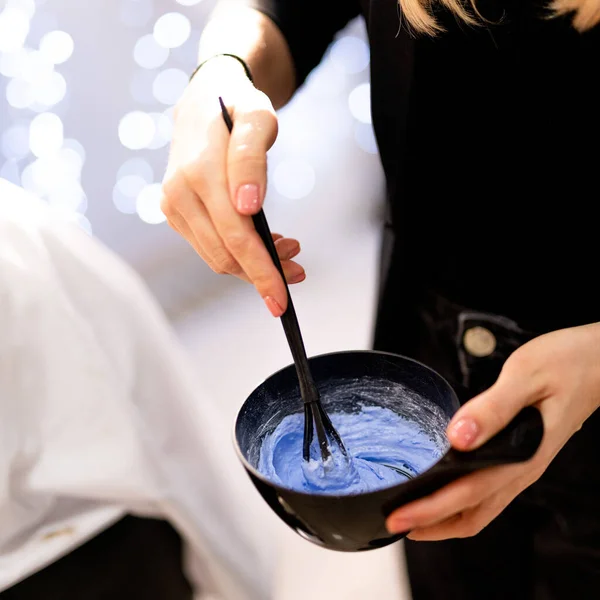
(224, 68)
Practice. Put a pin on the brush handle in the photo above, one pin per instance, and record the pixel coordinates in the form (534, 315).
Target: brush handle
(289, 319)
(517, 442)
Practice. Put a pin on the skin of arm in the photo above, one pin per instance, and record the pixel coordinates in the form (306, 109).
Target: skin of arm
(237, 29)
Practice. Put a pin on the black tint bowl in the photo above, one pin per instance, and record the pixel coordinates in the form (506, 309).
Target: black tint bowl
(349, 522)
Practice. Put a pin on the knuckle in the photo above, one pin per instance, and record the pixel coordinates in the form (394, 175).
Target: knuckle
(167, 206)
(520, 362)
(259, 120)
(171, 191)
(263, 280)
(223, 263)
(195, 172)
(526, 364)
(472, 492)
(470, 526)
(224, 267)
(237, 242)
(241, 156)
(202, 170)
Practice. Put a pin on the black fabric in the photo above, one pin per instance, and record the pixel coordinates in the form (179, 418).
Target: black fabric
(135, 558)
(488, 138)
(496, 188)
(546, 544)
(489, 142)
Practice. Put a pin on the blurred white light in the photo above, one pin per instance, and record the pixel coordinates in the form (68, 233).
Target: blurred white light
(327, 81)
(12, 64)
(38, 177)
(44, 21)
(45, 134)
(15, 142)
(50, 90)
(84, 223)
(359, 102)
(124, 204)
(134, 13)
(70, 162)
(148, 204)
(19, 93)
(75, 218)
(131, 185)
(10, 172)
(185, 55)
(141, 86)
(172, 30)
(294, 178)
(36, 107)
(67, 196)
(28, 181)
(163, 130)
(126, 191)
(148, 54)
(47, 175)
(57, 46)
(25, 6)
(36, 67)
(170, 114)
(169, 85)
(136, 130)
(188, 2)
(71, 144)
(14, 27)
(365, 137)
(350, 54)
(136, 166)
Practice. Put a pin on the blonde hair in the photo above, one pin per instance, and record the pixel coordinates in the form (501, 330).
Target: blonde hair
(586, 13)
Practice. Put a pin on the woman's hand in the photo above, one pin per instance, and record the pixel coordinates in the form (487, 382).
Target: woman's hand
(560, 374)
(215, 181)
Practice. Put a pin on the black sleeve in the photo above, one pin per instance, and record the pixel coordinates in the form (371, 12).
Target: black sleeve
(309, 26)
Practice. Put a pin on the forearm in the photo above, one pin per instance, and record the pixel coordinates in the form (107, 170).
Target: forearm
(251, 35)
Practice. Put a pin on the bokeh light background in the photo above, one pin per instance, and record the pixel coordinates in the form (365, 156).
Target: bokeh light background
(87, 90)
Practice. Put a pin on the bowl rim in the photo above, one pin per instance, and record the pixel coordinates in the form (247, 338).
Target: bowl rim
(256, 473)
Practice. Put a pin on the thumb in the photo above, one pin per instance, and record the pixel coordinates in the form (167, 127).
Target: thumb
(491, 411)
(254, 132)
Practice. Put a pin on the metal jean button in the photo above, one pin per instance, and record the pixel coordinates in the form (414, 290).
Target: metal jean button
(479, 341)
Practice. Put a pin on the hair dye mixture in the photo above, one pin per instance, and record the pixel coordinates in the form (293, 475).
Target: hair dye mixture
(385, 447)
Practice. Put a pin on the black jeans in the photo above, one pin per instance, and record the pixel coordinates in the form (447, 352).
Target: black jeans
(546, 544)
(134, 559)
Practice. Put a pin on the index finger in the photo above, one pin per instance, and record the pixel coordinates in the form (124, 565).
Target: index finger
(453, 498)
(237, 231)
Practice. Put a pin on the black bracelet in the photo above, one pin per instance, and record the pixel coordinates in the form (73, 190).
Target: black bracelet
(240, 60)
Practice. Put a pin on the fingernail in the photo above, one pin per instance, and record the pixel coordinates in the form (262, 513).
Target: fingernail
(464, 432)
(247, 197)
(400, 526)
(273, 306)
